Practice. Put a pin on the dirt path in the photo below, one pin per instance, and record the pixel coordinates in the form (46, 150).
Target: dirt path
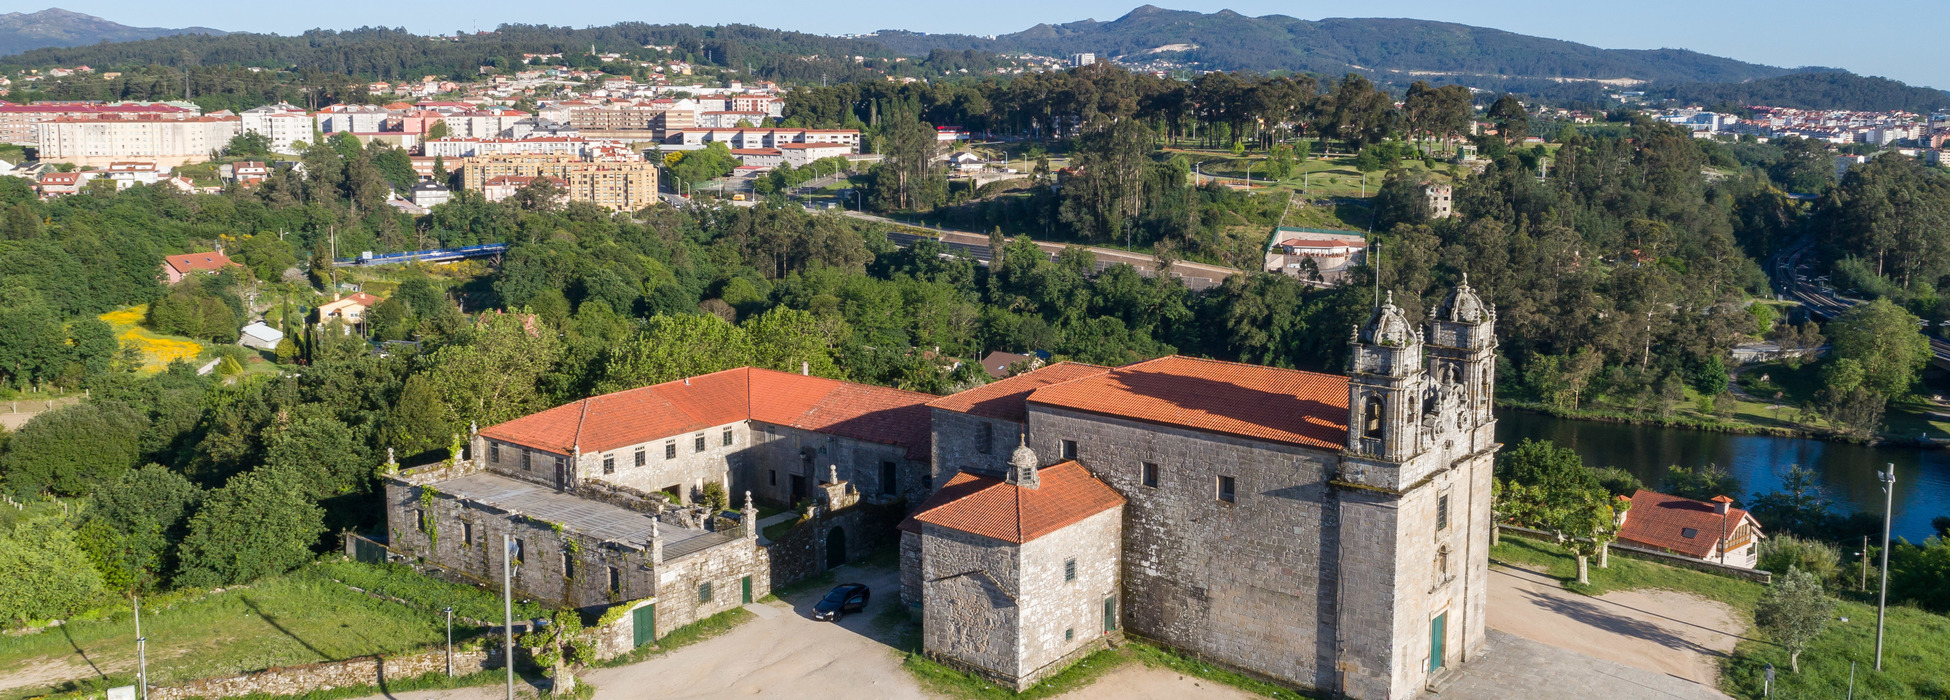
(1674, 633)
(1140, 682)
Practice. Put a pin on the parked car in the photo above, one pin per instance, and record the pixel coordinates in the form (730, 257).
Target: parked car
(844, 598)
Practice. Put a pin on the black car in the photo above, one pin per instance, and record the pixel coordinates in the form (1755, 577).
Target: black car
(844, 598)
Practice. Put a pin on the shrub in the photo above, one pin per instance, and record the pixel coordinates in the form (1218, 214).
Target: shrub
(260, 523)
(46, 574)
(1784, 552)
(715, 497)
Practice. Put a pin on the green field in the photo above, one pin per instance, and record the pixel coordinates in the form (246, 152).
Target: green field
(302, 617)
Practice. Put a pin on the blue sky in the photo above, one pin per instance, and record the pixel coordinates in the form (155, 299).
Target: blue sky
(1901, 39)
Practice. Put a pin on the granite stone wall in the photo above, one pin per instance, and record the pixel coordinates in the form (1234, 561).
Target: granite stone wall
(958, 444)
(351, 673)
(1062, 616)
(970, 609)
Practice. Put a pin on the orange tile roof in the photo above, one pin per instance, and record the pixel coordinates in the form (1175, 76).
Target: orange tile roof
(197, 261)
(1263, 403)
(1003, 398)
(1658, 520)
(643, 414)
(992, 508)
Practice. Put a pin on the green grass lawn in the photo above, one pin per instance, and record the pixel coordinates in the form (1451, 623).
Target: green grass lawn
(1916, 646)
(301, 617)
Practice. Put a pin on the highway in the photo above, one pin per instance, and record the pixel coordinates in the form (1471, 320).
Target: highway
(1822, 301)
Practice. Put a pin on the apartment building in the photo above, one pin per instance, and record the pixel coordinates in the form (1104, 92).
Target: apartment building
(798, 155)
(101, 141)
(764, 138)
(283, 124)
(613, 184)
(352, 118)
(19, 124)
(470, 147)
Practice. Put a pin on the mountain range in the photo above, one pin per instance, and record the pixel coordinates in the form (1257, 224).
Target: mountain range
(23, 31)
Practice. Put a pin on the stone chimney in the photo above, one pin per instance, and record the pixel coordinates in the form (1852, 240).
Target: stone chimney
(748, 518)
(656, 543)
(1721, 504)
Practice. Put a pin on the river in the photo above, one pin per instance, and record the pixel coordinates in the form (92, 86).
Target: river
(1848, 472)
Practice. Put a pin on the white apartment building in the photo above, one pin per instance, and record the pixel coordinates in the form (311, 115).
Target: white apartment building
(453, 147)
(483, 124)
(168, 143)
(799, 154)
(283, 124)
(764, 138)
(352, 118)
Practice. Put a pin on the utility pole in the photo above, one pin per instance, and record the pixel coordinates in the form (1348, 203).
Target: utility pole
(508, 612)
(141, 651)
(1882, 598)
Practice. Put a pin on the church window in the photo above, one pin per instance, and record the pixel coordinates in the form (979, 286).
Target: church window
(615, 580)
(727, 437)
(1226, 490)
(985, 438)
(494, 452)
(1442, 512)
(526, 460)
(1148, 475)
(1069, 449)
(704, 592)
(467, 534)
(1371, 421)
(887, 478)
(1069, 570)
(568, 565)
(697, 443)
(773, 478)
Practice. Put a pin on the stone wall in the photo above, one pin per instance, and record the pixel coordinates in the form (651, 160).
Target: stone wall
(958, 444)
(801, 551)
(685, 473)
(680, 582)
(351, 673)
(779, 453)
(911, 568)
(1248, 584)
(970, 610)
(1060, 617)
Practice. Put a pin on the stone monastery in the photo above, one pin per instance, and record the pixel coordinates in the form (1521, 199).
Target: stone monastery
(1323, 531)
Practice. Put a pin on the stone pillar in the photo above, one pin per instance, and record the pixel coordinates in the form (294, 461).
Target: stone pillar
(656, 544)
(749, 518)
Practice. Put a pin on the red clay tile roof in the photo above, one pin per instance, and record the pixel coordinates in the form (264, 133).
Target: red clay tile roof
(1658, 520)
(1004, 398)
(1262, 403)
(197, 261)
(643, 414)
(992, 508)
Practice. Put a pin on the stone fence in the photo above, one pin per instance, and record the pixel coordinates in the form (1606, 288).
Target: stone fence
(1667, 558)
(350, 673)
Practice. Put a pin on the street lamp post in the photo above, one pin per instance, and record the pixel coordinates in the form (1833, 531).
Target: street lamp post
(450, 640)
(1882, 597)
(508, 612)
(141, 651)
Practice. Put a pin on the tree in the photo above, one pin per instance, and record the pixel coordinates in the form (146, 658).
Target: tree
(491, 374)
(249, 143)
(439, 130)
(1800, 507)
(1794, 611)
(260, 523)
(1885, 340)
(266, 256)
(1358, 113)
(1557, 470)
(1700, 484)
(132, 525)
(907, 177)
(71, 449)
(1590, 522)
(1512, 120)
(1402, 199)
(674, 347)
(47, 575)
(417, 422)
(783, 339)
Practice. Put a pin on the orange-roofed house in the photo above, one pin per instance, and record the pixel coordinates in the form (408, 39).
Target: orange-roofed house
(176, 268)
(349, 309)
(1711, 531)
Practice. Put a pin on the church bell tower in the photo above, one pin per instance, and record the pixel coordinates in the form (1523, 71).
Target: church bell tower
(1385, 376)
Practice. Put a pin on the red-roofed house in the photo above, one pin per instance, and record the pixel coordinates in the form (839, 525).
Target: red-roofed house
(350, 309)
(1712, 531)
(177, 268)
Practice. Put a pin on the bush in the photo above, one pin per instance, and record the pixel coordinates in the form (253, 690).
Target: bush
(71, 449)
(259, 523)
(1783, 552)
(1618, 481)
(715, 497)
(131, 528)
(46, 575)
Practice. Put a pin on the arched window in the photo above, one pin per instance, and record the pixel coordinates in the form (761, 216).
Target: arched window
(1371, 417)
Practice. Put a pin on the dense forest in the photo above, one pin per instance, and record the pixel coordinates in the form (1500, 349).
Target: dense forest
(1810, 90)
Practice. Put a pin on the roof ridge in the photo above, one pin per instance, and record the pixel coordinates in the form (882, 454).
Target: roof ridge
(580, 421)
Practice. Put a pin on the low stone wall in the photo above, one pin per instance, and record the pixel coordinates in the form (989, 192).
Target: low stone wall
(1635, 552)
(350, 673)
(801, 552)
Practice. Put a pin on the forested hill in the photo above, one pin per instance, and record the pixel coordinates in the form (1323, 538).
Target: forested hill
(390, 53)
(1812, 90)
(1227, 40)
(21, 31)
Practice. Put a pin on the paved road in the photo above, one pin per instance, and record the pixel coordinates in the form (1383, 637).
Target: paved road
(1514, 667)
(1665, 633)
(1194, 275)
(1791, 279)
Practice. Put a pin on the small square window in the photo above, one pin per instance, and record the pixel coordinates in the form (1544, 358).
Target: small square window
(727, 436)
(1226, 490)
(1148, 475)
(704, 592)
(697, 445)
(494, 452)
(1688, 533)
(1069, 570)
(467, 534)
(1069, 634)
(641, 458)
(670, 449)
(773, 478)
(609, 464)
(568, 566)
(527, 460)
(615, 580)
(1442, 512)
(1069, 449)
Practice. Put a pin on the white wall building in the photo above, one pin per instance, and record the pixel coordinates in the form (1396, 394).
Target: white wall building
(168, 143)
(283, 124)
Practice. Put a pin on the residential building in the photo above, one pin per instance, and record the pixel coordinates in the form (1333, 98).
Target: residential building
(1710, 531)
(283, 124)
(19, 123)
(505, 186)
(730, 120)
(353, 118)
(99, 141)
(131, 173)
(244, 172)
(176, 268)
(617, 183)
(1441, 200)
(57, 184)
(759, 157)
(260, 337)
(428, 195)
(799, 154)
(461, 147)
(349, 309)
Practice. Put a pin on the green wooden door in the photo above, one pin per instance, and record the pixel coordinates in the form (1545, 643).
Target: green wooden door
(746, 583)
(1435, 641)
(643, 622)
(1110, 615)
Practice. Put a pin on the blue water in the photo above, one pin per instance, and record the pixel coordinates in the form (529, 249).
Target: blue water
(1848, 472)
